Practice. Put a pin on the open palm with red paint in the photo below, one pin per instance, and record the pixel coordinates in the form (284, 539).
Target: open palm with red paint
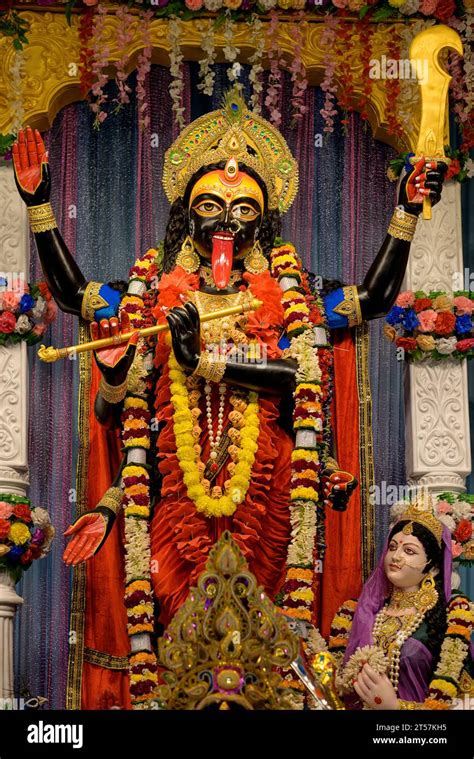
(30, 162)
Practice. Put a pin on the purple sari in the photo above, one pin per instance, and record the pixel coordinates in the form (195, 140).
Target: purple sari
(416, 661)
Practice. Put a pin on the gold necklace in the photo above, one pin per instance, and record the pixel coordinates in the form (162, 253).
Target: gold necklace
(390, 633)
(205, 272)
(401, 599)
(227, 328)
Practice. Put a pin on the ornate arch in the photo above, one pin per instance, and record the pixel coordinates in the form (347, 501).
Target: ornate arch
(52, 58)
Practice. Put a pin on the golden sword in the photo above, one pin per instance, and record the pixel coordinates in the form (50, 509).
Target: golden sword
(51, 354)
(424, 55)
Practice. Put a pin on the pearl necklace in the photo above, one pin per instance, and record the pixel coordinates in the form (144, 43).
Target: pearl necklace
(390, 639)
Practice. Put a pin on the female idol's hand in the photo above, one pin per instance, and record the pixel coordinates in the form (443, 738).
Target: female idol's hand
(185, 332)
(114, 362)
(375, 690)
(425, 179)
(31, 168)
(88, 532)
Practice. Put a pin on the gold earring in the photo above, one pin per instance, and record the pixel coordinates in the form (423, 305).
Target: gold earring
(255, 262)
(187, 257)
(427, 596)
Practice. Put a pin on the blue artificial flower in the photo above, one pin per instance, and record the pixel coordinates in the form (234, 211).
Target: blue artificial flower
(408, 165)
(15, 552)
(394, 316)
(3, 282)
(410, 320)
(26, 303)
(464, 324)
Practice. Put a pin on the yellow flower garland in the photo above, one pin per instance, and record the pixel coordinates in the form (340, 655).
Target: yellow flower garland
(188, 456)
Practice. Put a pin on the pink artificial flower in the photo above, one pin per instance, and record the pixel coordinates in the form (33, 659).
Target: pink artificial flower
(340, 3)
(51, 312)
(405, 299)
(443, 507)
(90, 3)
(456, 549)
(463, 305)
(193, 5)
(427, 320)
(6, 510)
(39, 329)
(428, 7)
(11, 300)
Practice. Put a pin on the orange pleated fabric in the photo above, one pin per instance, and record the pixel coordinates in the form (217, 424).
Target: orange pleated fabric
(342, 575)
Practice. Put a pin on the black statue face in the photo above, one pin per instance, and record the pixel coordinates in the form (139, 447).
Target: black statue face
(222, 203)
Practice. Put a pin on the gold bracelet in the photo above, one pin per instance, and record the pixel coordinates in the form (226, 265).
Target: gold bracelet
(113, 393)
(211, 369)
(41, 217)
(92, 301)
(402, 225)
(112, 499)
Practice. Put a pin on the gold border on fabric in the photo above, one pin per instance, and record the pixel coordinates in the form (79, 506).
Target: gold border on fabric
(78, 598)
(366, 449)
(350, 306)
(101, 659)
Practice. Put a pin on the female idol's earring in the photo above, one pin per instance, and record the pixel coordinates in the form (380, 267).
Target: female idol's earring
(427, 596)
(187, 257)
(255, 261)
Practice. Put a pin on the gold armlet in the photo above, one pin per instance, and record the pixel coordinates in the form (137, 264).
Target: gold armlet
(112, 499)
(92, 301)
(41, 218)
(402, 225)
(113, 393)
(409, 704)
(212, 369)
(350, 306)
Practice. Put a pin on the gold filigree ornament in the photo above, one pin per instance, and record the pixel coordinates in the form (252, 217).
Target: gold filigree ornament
(187, 257)
(421, 511)
(255, 261)
(235, 132)
(224, 645)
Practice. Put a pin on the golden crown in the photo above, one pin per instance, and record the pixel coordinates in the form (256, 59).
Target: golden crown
(233, 132)
(422, 512)
(224, 643)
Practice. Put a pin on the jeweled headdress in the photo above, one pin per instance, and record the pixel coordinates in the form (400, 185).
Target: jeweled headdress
(225, 642)
(421, 511)
(233, 132)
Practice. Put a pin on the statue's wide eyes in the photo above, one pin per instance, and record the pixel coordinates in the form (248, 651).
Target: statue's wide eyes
(245, 212)
(207, 208)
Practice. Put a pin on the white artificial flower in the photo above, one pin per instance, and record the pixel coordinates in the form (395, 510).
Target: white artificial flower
(40, 308)
(446, 345)
(23, 324)
(213, 5)
(409, 7)
(267, 4)
(40, 518)
(447, 520)
(469, 166)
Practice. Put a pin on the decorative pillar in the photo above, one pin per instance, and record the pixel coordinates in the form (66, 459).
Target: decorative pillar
(13, 402)
(438, 449)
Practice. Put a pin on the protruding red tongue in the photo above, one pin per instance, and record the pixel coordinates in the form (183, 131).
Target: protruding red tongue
(222, 257)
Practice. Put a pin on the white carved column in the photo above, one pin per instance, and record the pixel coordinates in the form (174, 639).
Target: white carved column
(13, 403)
(438, 450)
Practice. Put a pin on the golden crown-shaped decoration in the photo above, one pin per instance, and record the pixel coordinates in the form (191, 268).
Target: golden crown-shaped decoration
(233, 132)
(421, 511)
(224, 644)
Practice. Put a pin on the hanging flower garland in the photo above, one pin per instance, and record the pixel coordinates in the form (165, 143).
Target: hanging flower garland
(100, 61)
(365, 35)
(345, 56)
(143, 68)
(275, 78)
(176, 70)
(206, 72)
(255, 60)
(462, 82)
(297, 69)
(328, 86)
(86, 55)
(230, 50)
(308, 423)
(17, 74)
(125, 35)
(392, 92)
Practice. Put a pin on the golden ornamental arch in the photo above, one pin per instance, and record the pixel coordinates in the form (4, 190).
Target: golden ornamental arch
(52, 74)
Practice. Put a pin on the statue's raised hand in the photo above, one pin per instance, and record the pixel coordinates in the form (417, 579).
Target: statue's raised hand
(425, 179)
(88, 533)
(30, 162)
(185, 332)
(114, 362)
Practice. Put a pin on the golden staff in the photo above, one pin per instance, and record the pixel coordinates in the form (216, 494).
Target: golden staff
(51, 354)
(424, 54)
